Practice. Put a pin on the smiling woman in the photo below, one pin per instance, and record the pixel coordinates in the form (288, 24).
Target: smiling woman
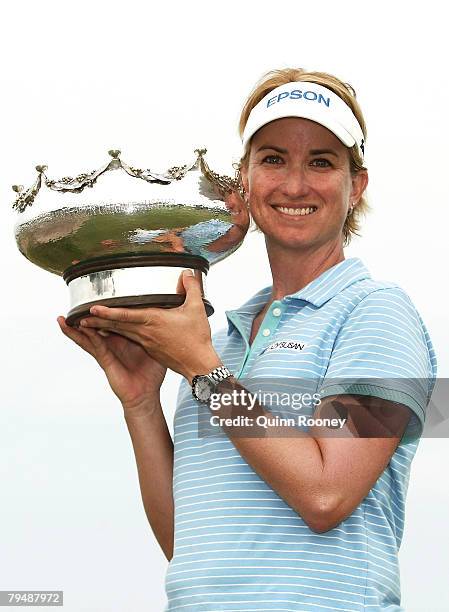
(298, 182)
(286, 82)
(311, 520)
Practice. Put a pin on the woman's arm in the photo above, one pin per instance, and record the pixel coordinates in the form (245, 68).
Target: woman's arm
(322, 477)
(153, 448)
(136, 379)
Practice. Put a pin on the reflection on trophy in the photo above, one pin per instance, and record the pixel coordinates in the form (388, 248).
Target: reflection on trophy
(121, 236)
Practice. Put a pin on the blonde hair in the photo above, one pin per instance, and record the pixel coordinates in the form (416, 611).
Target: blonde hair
(274, 79)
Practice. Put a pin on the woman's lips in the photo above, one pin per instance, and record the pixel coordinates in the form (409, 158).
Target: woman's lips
(296, 211)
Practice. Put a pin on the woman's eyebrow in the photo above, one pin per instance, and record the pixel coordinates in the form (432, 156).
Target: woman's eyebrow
(284, 151)
(272, 148)
(323, 151)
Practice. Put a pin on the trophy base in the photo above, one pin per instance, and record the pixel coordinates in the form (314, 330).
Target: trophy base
(168, 300)
(130, 281)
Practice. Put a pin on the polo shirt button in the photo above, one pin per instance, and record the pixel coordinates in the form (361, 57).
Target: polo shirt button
(277, 312)
(266, 332)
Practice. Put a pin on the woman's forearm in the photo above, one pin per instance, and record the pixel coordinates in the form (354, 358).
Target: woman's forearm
(153, 449)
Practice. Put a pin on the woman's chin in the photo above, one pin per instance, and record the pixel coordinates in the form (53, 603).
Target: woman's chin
(286, 241)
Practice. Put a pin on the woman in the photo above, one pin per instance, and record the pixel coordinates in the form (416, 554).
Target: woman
(281, 523)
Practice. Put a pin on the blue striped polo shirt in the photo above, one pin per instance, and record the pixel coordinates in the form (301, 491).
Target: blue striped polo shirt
(238, 545)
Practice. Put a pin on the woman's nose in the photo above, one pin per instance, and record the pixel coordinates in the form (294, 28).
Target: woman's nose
(295, 183)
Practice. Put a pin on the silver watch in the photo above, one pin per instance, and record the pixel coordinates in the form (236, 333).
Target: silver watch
(203, 385)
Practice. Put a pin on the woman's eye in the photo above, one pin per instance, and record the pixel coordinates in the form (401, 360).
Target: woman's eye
(321, 163)
(272, 159)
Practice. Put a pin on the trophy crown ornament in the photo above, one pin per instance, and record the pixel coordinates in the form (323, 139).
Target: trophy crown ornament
(121, 235)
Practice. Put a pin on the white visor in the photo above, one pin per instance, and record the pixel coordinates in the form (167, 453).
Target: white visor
(307, 101)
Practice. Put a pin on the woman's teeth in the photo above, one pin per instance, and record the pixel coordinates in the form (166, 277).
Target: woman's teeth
(296, 211)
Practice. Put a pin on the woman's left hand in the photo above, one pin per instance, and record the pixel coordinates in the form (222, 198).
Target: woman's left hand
(178, 338)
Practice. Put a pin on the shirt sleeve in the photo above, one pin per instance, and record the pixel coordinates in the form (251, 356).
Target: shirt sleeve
(384, 350)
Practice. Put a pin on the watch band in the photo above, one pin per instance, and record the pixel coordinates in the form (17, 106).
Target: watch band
(219, 374)
(215, 378)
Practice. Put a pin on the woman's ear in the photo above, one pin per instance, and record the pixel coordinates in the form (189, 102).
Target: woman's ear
(244, 178)
(359, 184)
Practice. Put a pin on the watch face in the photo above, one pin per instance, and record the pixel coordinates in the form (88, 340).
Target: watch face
(204, 388)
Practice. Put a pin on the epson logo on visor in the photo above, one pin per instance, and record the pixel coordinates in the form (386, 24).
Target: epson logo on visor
(307, 100)
(295, 94)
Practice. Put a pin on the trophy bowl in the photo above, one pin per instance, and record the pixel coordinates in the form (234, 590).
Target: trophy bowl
(121, 236)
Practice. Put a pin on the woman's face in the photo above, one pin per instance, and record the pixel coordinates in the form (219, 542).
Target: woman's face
(299, 184)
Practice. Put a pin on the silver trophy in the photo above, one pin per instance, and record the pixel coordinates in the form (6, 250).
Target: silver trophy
(121, 236)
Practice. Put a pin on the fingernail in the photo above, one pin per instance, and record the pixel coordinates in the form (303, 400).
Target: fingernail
(189, 272)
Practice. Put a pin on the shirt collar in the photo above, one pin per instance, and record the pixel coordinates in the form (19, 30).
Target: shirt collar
(246, 313)
(332, 281)
(317, 292)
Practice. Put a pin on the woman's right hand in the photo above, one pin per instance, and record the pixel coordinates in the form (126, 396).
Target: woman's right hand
(133, 375)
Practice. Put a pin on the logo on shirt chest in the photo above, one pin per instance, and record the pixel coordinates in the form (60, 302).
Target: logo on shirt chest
(286, 344)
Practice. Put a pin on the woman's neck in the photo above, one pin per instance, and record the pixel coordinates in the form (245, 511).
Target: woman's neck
(293, 269)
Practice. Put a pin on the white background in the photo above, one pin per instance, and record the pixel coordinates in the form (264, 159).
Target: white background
(156, 81)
